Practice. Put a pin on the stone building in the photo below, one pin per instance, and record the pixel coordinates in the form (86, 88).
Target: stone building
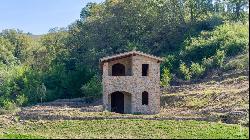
(131, 83)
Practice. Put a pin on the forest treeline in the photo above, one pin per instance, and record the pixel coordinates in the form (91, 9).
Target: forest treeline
(193, 36)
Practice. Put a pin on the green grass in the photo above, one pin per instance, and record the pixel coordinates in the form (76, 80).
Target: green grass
(20, 136)
(240, 62)
(124, 129)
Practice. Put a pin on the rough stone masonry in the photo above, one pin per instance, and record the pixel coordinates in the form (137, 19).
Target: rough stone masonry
(131, 83)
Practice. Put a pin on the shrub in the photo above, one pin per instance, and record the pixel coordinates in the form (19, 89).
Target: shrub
(9, 87)
(21, 86)
(21, 100)
(9, 105)
(219, 58)
(215, 61)
(166, 77)
(171, 62)
(197, 70)
(235, 47)
(185, 71)
(233, 39)
(92, 90)
(61, 82)
(240, 63)
(208, 62)
(197, 48)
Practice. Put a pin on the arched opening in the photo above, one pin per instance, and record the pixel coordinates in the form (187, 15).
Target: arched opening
(145, 98)
(117, 102)
(118, 70)
(120, 102)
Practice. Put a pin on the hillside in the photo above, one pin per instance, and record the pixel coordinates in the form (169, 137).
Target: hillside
(63, 63)
(221, 99)
(36, 37)
(225, 99)
(51, 82)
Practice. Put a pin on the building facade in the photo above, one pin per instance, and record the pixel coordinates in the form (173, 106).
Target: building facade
(131, 83)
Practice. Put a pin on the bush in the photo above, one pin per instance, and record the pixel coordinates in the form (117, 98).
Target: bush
(208, 62)
(185, 71)
(9, 105)
(197, 48)
(215, 61)
(235, 47)
(240, 63)
(21, 86)
(21, 100)
(197, 70)
(171, 62)
(233, 39)
(166, 77)
(219, 58)
(93, 89)
(10, 87)
(61, 82)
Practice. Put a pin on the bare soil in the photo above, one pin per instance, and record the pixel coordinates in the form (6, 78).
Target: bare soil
(225, 99)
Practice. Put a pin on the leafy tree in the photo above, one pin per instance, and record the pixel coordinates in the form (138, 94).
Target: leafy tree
(194, 36)
(166, 78)
(237, 7)
(6, 52)
(93, 88)
(198, 9)
(20, 41)
(53, 49)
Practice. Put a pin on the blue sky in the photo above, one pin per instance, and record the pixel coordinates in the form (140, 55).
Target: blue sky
(38, 16)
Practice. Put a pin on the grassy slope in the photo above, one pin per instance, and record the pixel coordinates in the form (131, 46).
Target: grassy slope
(123, 129)
(197, 100)
(208, 99)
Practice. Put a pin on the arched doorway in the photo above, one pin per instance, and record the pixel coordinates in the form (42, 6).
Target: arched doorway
(117, 102)
(118, 70)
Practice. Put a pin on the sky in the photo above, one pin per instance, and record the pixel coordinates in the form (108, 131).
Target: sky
(38, 16)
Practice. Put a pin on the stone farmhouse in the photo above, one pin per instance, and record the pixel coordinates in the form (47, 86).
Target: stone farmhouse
(131, 83)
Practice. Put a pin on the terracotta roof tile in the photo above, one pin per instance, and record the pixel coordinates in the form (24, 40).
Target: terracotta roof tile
(122, 55)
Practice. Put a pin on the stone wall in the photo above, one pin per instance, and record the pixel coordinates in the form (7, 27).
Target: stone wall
(127, 62)
(134, 85)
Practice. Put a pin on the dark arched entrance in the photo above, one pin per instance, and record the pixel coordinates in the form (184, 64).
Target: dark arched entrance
(117, 102)
(118, 70)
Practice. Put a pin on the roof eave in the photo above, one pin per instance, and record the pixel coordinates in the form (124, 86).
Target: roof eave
(119, 56)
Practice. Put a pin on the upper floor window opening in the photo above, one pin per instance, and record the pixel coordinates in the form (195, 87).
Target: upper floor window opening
(145, 68)
(118, 70)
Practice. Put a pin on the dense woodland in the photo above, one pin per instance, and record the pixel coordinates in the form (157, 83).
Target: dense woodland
(195, 37)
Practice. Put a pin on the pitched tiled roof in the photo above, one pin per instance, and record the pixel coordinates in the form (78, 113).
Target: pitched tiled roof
(127, 54)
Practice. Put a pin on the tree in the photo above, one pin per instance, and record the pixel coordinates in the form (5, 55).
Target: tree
(86, 11)
(21, 42)
(238, 7)
(6, 52)
(198, 9)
